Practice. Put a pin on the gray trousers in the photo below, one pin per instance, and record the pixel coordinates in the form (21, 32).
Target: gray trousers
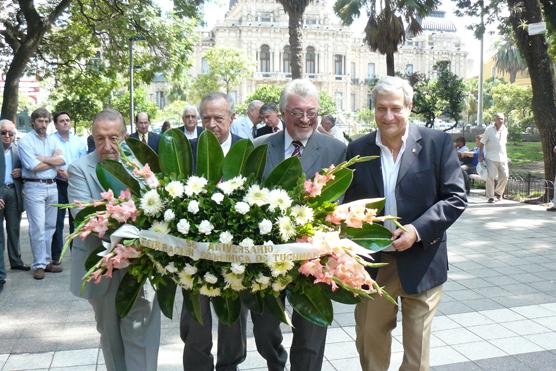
(130, 343)
(39, 199)
(13, 221)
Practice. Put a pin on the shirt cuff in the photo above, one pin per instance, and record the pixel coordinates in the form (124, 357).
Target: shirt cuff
(416, 232)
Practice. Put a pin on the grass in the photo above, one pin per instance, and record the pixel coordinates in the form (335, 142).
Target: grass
(524, 153)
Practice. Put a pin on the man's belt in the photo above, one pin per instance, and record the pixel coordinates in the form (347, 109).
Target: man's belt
(44, 181)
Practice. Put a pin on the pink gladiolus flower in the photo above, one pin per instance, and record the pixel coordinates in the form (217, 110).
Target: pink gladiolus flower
(122, 212)
(147, 174)
(98, 224)
(125, 194)
(96, 276)
(107, 262)
(108, 195)
(84, 234)
(311, 268)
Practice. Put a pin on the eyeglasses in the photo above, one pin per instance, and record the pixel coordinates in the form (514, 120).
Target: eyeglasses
(8, 133)
(300, 114)
(190, 116)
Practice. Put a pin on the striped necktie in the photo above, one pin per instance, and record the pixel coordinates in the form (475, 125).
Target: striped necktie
(297, 148)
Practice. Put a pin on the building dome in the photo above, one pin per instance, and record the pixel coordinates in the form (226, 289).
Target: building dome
(437, 22)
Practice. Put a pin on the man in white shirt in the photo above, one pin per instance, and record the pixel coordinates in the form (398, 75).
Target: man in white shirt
(189, 119)
(493, 143)
(246, 126)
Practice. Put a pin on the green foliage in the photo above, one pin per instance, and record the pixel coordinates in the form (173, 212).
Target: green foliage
(175, 156)
(201, 86)
(515, 102)
(172, 112)
(141, 104)
(268, 93)
(524, 153)
(327, 106)
(366, 119)
(236, 159)
(127, 294)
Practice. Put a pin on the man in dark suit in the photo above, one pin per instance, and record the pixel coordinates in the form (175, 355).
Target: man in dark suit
(419, 175)
(269, 115)
(143, 134)
(189, 119)
(299, 104)
(217, 114)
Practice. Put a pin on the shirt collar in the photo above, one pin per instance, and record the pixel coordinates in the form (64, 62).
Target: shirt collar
(288, 140)
(378, 139)
(227, 144)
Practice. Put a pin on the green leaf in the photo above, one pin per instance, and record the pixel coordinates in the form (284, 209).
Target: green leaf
(253, 302)
(83, 213)
(312, 305)
(143, 153)
(93, 258)
(376, 203)
(335, 188)
(192, 304)
(373, 237)
(276, 307)
(227, 309)
(236, 160)
(256, 163)
(127, 294)
(174, 154)
(340, 295)
(209, 157)
(165, 294)
(286, 175)
(112, 175)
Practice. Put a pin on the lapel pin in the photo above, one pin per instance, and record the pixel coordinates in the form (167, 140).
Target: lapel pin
(413, 150)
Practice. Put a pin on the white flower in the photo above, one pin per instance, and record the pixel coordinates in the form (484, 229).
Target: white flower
(151, 203)
(257, 196)
(237, 268)
(279, 198)
(265, 227)
(247, 242)
(226, 237)
(286, 228)
(210, 292)
(278, 286)
(228, 187)
(152, 182)
(195, 185)
(234, 281)
(210, 278)
(169, 215)
(183, 226)
(193, 207)
(268, 243)
(280, 268)
(159, 227)
(237, 181)
(186, 281)
(171, 268)
(205, 227)
(189, 269)
(301, 214)
(256, 287)
(262, 279)
(175, 189)
(217, 197)
(242, 207)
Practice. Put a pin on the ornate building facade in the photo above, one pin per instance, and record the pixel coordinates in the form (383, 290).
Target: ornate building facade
(335, 59)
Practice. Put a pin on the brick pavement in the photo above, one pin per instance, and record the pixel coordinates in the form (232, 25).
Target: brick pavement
(498, 310)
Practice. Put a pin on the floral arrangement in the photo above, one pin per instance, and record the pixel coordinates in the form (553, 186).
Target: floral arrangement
(222, 231)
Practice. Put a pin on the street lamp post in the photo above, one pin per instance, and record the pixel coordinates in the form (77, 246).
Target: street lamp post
(131, 70)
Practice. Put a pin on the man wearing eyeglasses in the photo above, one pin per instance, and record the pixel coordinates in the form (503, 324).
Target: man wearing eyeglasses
(11, 202)
(299, 104)
(40, 156)
(189, 119)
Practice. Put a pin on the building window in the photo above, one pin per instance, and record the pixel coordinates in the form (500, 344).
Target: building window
(204, 66)
(160, 99)
(370, 71)
(310, 60)
(265, 58)
(311, 20)
(339, 64)
(409, 69)
(353, 103)
(339, 101)
(265, 17)
(286, 60)
(353, 74)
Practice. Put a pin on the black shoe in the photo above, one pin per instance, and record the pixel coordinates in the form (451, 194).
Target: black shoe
(23, 267)
(2, 286)
(498, 197)
(552, 208)
(491, 200)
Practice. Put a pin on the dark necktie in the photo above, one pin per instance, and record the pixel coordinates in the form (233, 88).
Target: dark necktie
(275, 129)
(297, 148)
(144, 138)
(254, 131)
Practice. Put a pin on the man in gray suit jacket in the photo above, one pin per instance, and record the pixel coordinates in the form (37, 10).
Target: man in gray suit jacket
(299, 105)
(130, 343)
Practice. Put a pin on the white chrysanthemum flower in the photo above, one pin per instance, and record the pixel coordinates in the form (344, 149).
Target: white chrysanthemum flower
(278, 286)
(210, 278)
(151, 203)
(257, 196)
(234, 281)
(280, 268)
(237, 181)
(262, 279)
(301, 214)
(195, 185)
(286, 228)
(268, 243)
(175, 189)
(171, 268)
(217, 197)
(265, 227)
(169, 215)
(189, 269)
(183, 226)
(242, 207)
(229, 186)
(205, 227)
(279, 198)
(193, 207)
(237, 268)
(226, 237)
(186, 281)
(256, 286)
(208, 291)
(160, 227)
(247, 242)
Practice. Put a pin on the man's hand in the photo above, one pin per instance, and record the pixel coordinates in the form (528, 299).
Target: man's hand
(2, 203)
(62, 174)
(57, 152)
(403, 240)
(16, 173)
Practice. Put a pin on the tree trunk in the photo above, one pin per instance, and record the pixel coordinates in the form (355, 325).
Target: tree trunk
(296, 42)
(513, 75)
(390, 71)
(535, 51)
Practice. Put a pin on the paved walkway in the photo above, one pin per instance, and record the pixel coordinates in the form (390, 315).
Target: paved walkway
(498, 311)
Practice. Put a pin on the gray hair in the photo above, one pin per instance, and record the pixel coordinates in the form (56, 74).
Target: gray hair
(190, 107)
(268, 107)
(109, 115)
(254, 104)
(392, 84)
(6, 121)
(300, 87)
(42, 113)
(214, 96)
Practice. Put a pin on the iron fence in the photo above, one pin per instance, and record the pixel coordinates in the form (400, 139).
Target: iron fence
(529, 187)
